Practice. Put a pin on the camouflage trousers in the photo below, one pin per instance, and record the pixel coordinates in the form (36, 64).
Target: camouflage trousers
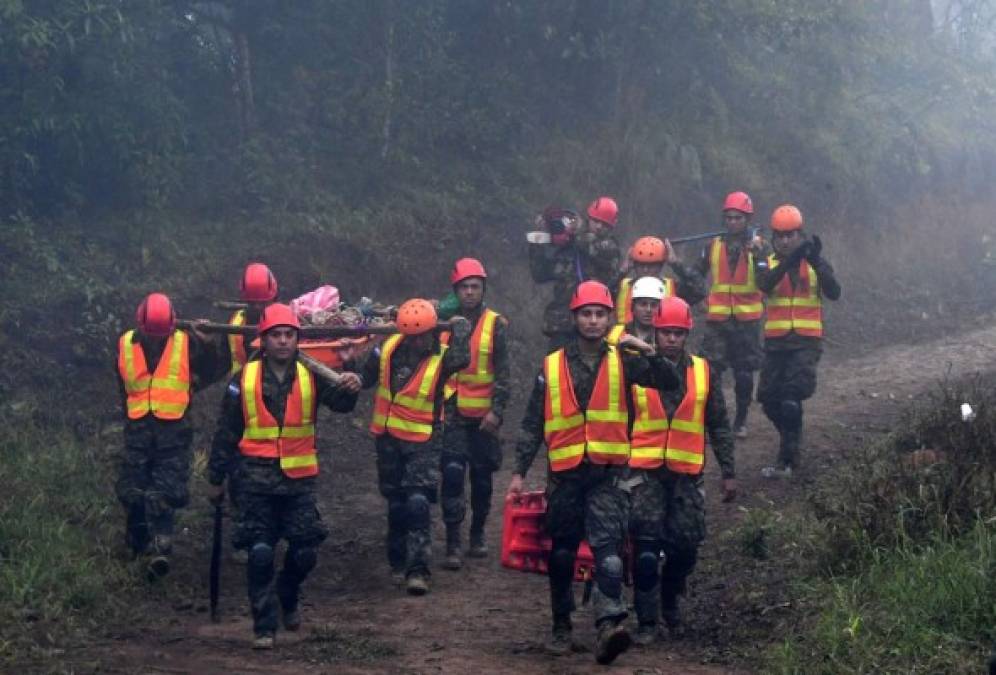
(733, 344)
(787, 379)
(151, 485)
(587, 502)
(264, 519)
(667, 514)
(408, 477)
(465, 445)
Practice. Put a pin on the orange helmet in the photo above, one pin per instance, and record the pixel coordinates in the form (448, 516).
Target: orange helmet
(258, 284)
(416, 316)
(648, 250)
(591, 293)
(155, 316)
(275, 315)
(673, 312)
(467, 267)
(739, 201)
(786, 218)
(604, 209)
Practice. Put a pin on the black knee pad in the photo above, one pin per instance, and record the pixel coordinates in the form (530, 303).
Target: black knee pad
(645, 570)
(305, 558)
(609, 575)
(397, 512)
(417, 510)
(261, 555)
(743, 383)
(791, 414)
(452, 478)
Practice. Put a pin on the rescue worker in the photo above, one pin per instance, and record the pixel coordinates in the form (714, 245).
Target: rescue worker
(667, 459)
(159, 368)
(581, 250)
(734, 306)
(267, 422)
(579, 407)
(796, 280)
(409, 370)
(647, 258)
(258, 288)
(474, 410)
(644, 297)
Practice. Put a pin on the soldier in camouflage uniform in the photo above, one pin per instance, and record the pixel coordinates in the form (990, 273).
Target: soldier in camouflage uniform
(267, 427)
(155, 389)
(579, 408)
(410, 370)
(667, 458)
(795, 280)
(578, 253)
(735, 304)
(473, 413)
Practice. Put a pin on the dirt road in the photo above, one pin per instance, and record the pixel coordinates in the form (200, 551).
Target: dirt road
(487, 619)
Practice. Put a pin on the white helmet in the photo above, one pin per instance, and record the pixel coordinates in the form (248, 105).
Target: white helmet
(648, 287)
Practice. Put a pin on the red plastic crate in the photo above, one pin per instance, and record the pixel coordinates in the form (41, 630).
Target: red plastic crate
(525, 546)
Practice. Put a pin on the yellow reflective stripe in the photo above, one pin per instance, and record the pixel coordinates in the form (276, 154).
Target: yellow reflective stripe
(128, 349)
(566, 451)
(684, 456)
(249, 375)
(298, 461)
(655, 452)
(615, 334)
(807, 323)
(690, 427)
(379, 419)
(607, 416)
(561, 423)
(805, 302)
(307, 398)
(177, 342)
(475, 402)
(608, 448)
(623, 299)
(170, 384)
(425, 386)
(405, 425)
(700, 368)
(486, 378)
(258, 433)
(650, 425)
(613, 379)
(298, 432)
(384, 391)
(553, 387)
(414, 403)
(484, 355)
(390, 344)
(779, 324)
(748, 308)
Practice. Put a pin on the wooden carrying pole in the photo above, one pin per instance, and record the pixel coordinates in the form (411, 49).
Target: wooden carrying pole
(307, 332)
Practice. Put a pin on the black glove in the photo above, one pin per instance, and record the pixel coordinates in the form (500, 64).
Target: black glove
(815, 248)
(801, 251)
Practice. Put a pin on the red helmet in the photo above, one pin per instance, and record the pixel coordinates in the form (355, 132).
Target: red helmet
(467, 267)
(648, 250)
(786, 218)
(591, 293)
(604, 209)
(416, 316)
(739, 201)
(673, 312)
(155, 316)
(275, 315)
(258, 284)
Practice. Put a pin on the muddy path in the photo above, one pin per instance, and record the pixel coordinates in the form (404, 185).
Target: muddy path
(487, 619)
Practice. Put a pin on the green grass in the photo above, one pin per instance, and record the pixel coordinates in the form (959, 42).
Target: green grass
(59, 576)
(928, 608)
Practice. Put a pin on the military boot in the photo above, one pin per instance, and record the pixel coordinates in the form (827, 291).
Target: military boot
(158, 566)
(560, 643)
(263, 641)
(613, 640)
(478, 548)
(453, 559)
(646, 634)
(417, 584)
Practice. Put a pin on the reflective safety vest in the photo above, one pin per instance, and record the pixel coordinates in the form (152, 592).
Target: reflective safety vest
(679, 442)
(294, 442)
(734, 294)
(601, 431)
(475, 384)
(624, 298)
(164, 393)
(408, 413)
(796, 309)
(237, 343)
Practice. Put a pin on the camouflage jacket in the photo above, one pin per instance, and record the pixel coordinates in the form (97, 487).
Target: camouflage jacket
(258, 474)
(652, 371)
(567, 266)
(502, 372)
(207, 366)
(829, 288)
